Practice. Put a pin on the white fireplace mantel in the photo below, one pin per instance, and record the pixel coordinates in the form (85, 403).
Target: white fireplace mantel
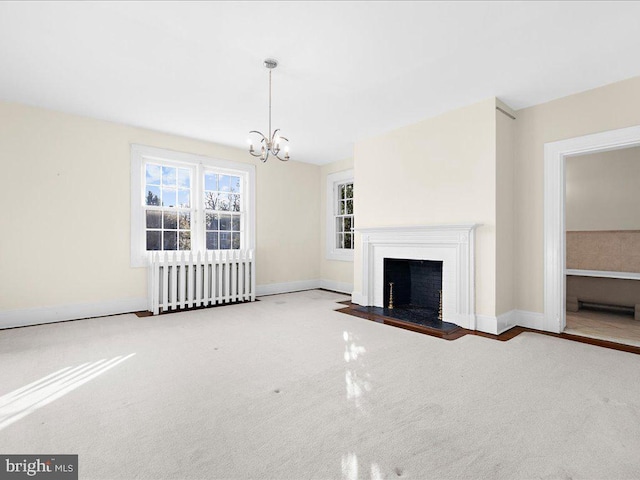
(451, 244)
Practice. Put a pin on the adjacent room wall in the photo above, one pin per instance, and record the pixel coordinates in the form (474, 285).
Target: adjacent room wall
(610, 107)
(335, 274)
(66, 215)
(438, 171)
(603, 191)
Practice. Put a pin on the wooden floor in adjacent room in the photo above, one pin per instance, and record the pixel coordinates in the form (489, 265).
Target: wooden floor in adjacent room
(615, 327)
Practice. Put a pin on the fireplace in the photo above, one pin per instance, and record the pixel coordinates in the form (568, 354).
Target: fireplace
(449, 248)
(417, 285)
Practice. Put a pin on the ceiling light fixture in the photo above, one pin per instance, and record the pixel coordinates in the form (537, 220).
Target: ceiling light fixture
(272, 143)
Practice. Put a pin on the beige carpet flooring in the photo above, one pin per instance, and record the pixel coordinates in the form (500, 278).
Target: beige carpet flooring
(286, 388)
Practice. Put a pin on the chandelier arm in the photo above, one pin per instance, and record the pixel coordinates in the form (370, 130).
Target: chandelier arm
(286, 155)
(264, 139)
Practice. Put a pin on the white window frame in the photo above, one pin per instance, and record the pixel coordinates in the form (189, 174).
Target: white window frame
(334, 180)
(140, 154)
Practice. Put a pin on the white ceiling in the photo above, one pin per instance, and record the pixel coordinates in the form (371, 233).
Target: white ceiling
(348, 70)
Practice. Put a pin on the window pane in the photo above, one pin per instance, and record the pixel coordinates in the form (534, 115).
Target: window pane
(153, 196)
(170, 240)
(224, 203)
(347, 224)
(169, 176)
(224, 184)
(169, 197)
(341, 208)
(235, 184)
(339, 224)
(184, 198)
(212, 240)
(235, 222)
(340, 240)
(210, 200)
(185, 241)
(154, 219)
(170, 220)
(211, 221)
(225, 223)
(348, 240)
(235, 241)
(184, 178)
(234, 200)
(154, 240)
(225, 241)
(341, 192)
(210, 181)
(152, 176)
(185, 221)
(349, 190)
(350, 207)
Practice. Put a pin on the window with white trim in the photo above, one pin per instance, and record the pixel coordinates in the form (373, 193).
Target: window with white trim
(340, 216)
(186, 202)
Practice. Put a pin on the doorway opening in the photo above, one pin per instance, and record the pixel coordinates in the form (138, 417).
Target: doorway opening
(564, 242)
(602, 231)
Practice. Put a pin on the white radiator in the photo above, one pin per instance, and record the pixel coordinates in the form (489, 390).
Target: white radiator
(179, 280)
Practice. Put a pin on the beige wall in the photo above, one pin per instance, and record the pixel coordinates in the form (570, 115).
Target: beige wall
(439, 171)
(606, 108)
(603, 191)
(505, 212)
(333, 271)
(66, 216)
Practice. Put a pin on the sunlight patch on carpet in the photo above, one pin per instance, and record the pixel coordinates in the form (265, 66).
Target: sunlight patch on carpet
(25, 400)
(355, 376)
(350, 468)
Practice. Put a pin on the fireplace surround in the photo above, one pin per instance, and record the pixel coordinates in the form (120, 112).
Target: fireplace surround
(452, 245)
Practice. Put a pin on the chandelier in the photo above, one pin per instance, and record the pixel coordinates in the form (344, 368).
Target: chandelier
(272, 143)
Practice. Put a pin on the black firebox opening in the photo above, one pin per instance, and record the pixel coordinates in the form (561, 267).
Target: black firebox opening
(416, 286)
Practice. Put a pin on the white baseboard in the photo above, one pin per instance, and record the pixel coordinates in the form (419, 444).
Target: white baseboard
(503, 322)
(358, 298)
(530, 319)
(38, 315)
(286, 287)
(487, 324)
(337, 286)
(507, 320)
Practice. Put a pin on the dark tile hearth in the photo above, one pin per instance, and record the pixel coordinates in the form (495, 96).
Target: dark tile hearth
(449, 331)
(419, 316)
